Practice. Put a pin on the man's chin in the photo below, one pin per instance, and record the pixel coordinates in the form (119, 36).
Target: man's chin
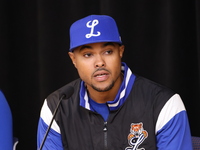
(103, 89)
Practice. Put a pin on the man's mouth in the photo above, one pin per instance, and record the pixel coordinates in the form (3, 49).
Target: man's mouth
(101, 75)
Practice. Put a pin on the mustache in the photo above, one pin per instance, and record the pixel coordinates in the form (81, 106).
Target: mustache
(100, 69)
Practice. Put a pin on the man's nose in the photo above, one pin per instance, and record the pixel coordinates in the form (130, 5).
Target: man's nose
(99, 62)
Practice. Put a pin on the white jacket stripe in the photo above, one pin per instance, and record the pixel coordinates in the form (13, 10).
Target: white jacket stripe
(172, 107)
(46, 115)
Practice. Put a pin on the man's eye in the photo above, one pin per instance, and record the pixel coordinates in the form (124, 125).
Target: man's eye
(87, 55)
(109, 52)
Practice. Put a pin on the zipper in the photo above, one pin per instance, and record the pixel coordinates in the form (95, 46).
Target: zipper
(105, 136)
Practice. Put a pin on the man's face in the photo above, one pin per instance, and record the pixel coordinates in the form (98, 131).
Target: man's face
(98, 64)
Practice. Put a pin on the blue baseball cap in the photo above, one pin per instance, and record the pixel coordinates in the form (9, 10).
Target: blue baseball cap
(93, 29)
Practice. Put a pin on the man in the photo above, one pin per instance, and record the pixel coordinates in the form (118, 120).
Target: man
(111, 108)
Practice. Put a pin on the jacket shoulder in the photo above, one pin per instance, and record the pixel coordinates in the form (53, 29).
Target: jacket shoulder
(54, 97)
(152, 88)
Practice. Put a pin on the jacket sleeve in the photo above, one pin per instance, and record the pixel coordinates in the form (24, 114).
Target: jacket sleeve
(6, 125)
(172, 127)
(53, 140)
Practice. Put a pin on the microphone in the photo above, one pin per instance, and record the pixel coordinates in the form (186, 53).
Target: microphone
(65, 93)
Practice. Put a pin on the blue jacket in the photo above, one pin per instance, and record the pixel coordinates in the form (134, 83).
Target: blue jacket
(144, 115)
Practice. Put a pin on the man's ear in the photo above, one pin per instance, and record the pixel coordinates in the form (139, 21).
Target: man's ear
(121, 50)
(71, 55)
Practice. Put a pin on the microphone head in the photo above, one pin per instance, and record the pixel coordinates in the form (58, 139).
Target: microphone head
(66, 92)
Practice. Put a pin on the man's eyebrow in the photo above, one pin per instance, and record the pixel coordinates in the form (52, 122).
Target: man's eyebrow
(108, 43)
(84, 47)
(90, 47)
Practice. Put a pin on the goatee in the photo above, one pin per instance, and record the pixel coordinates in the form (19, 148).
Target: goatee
(104, 89)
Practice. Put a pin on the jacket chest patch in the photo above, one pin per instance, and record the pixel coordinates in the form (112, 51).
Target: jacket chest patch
(136, 136)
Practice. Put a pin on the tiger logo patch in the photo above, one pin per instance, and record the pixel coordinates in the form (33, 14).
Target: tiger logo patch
(136, 136)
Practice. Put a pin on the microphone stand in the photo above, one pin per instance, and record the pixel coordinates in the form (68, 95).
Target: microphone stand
(54, 114)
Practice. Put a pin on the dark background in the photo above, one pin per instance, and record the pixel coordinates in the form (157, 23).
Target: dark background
(162, 40)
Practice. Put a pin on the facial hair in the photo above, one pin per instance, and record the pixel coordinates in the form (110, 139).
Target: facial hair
(109, 87)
